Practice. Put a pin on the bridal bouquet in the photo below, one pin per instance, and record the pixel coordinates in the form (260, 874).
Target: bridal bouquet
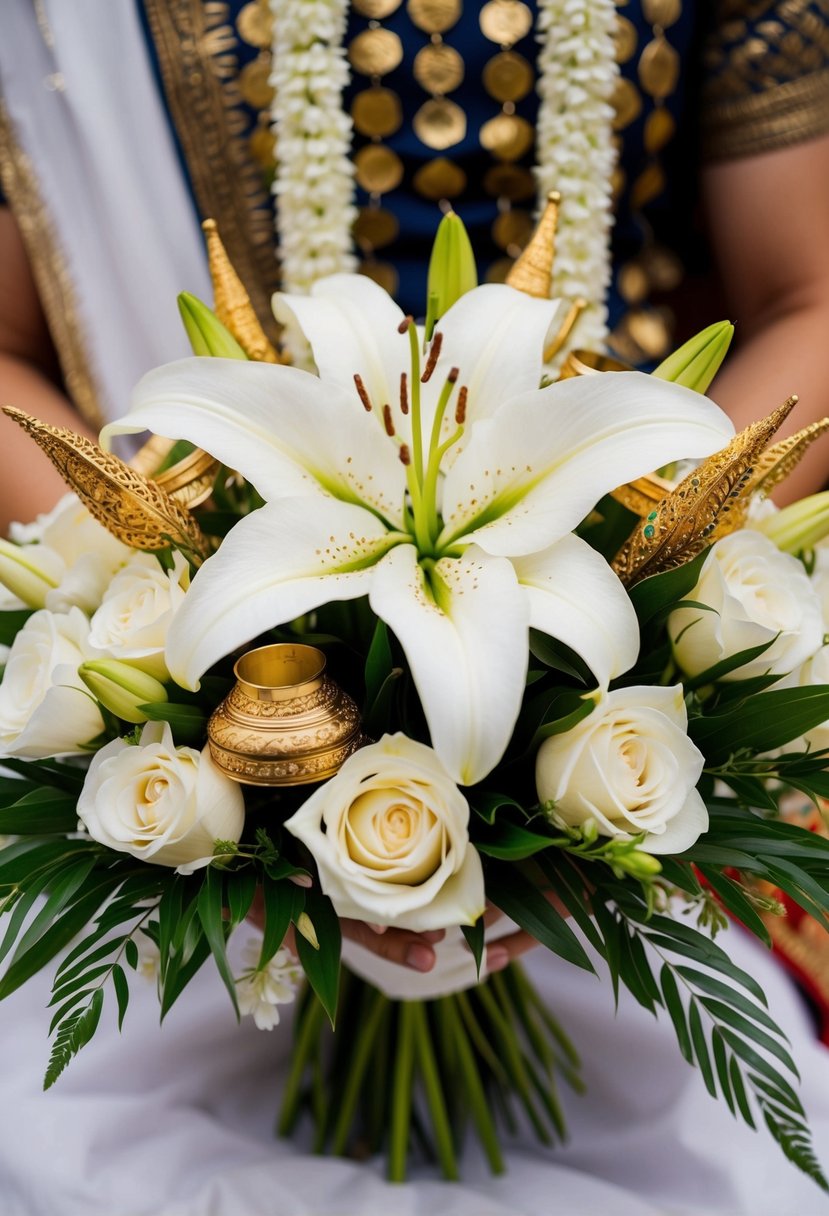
(409, 634)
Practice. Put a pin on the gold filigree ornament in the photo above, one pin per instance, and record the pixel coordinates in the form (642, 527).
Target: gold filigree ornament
(533, 270)
(684, 521)
(134, 509)
(231, 302)
(284, 722)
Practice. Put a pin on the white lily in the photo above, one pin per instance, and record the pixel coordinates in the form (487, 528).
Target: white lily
(448, 500)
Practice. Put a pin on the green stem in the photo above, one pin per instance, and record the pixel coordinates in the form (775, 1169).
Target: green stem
(434, 1092)
(401, 1111)
(414, 405)
(307, 1038)
(478, 1106)
(366, 1036)
(480, 1040)
(514, 1060)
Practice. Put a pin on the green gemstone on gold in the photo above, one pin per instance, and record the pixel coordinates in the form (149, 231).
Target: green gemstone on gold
(649, 530)
(653, 515)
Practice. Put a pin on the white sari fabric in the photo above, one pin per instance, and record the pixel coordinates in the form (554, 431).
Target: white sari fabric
(178, 1121)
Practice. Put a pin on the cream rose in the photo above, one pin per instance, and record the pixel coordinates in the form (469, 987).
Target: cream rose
(159, 802)
(45, 710)
(138, 608)
(629, 767)
(71, 558)
(758, 595)
(389, 834)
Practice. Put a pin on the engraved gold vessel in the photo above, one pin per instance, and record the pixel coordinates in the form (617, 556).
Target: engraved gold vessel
(284, 722)
(589, 362)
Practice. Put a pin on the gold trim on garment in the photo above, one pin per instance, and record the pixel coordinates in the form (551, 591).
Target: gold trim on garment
(195, 48)
(764, 122)
(50, 271)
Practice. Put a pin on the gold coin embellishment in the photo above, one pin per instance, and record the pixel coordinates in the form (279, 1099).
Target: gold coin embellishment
(508, 76)
(378, 169)
(633, 283)
(659, 68)
(649, 328)
(434, 16)
(660, 128)
(439, 124)
(438, 68)
(626, 38)
(649, 185)
(439, 178)
(375, 227)
(662, 12)
(664, 268)
(255, 24)
(376, 10)
(261, 147)
(505, 21)
(507, 136)
(376, 52)
(627, 103)
(510, 181)
(377, 112)
(383, 273)
(512, 230)
(254, 83)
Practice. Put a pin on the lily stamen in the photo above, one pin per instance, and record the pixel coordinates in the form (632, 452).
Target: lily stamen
(404, 393)
(460, 408)
(388, 421)
(362, 393)
(434, 355)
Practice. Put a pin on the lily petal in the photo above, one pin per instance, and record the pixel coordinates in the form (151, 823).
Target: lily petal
(575, 596)
(529, 474)
(282, 429)
(279, 562)
(352, 326)
(495, 337)
(464, 630)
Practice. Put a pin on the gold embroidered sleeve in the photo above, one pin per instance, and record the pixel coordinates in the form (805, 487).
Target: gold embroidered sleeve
(766, 76)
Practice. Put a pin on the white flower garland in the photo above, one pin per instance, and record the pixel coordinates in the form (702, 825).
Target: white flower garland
(574, 149)
(314, 183)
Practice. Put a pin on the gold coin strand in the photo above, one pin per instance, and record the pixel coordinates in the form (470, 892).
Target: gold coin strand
(439, 123)
(644, 333)
(254, 25)
(508, 77)
(377, 113)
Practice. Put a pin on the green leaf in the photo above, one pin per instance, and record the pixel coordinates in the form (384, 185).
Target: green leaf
(187, 722)
(516, 895)
(559, 657)
(560, 726)
(122, 992)
(40, 812)
(241, 888)
(738, 1089)
(474, 935)
(571, 888)
(210, 908)
(73, 1034)
(763, 723)
(735, 899)
(657, 595)
(701, 1048)
(379, 664)
(322, 966)
(487, 804)
(11, 622)
(709, 984)
(60, 774)
(511, 842)
(131, 953)
(283, 902)
(732, 1017)
(725, 666)
(68, 974)
(676, 1010)
(721, 1063)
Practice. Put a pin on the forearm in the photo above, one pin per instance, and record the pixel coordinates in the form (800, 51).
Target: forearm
(29, 483)
(786, 353)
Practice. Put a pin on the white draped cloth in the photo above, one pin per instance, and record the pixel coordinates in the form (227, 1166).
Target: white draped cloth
(178, 1120)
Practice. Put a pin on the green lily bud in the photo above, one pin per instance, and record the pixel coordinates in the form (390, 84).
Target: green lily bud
(204, 329)
(29, 571)
(121, 688)
(305, 926)
(800, 525)
(698, 360)
(452, 270)
(638, 864)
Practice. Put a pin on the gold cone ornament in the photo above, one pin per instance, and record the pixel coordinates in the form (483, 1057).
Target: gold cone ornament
(232, 303)
(532, 272)
(285, 722)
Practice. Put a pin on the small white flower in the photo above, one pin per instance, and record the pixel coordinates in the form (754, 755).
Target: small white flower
(261, 992)
(148, 956)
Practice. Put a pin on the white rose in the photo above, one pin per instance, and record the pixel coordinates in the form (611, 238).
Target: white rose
(389, 834)
(159, 802)
(630, 767)
(758, 595)
(76, 555)
(138, 608)
(816, 669)
(45, 710)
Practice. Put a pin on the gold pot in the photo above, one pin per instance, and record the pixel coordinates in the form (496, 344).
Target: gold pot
(588, 362)
(284, 722)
